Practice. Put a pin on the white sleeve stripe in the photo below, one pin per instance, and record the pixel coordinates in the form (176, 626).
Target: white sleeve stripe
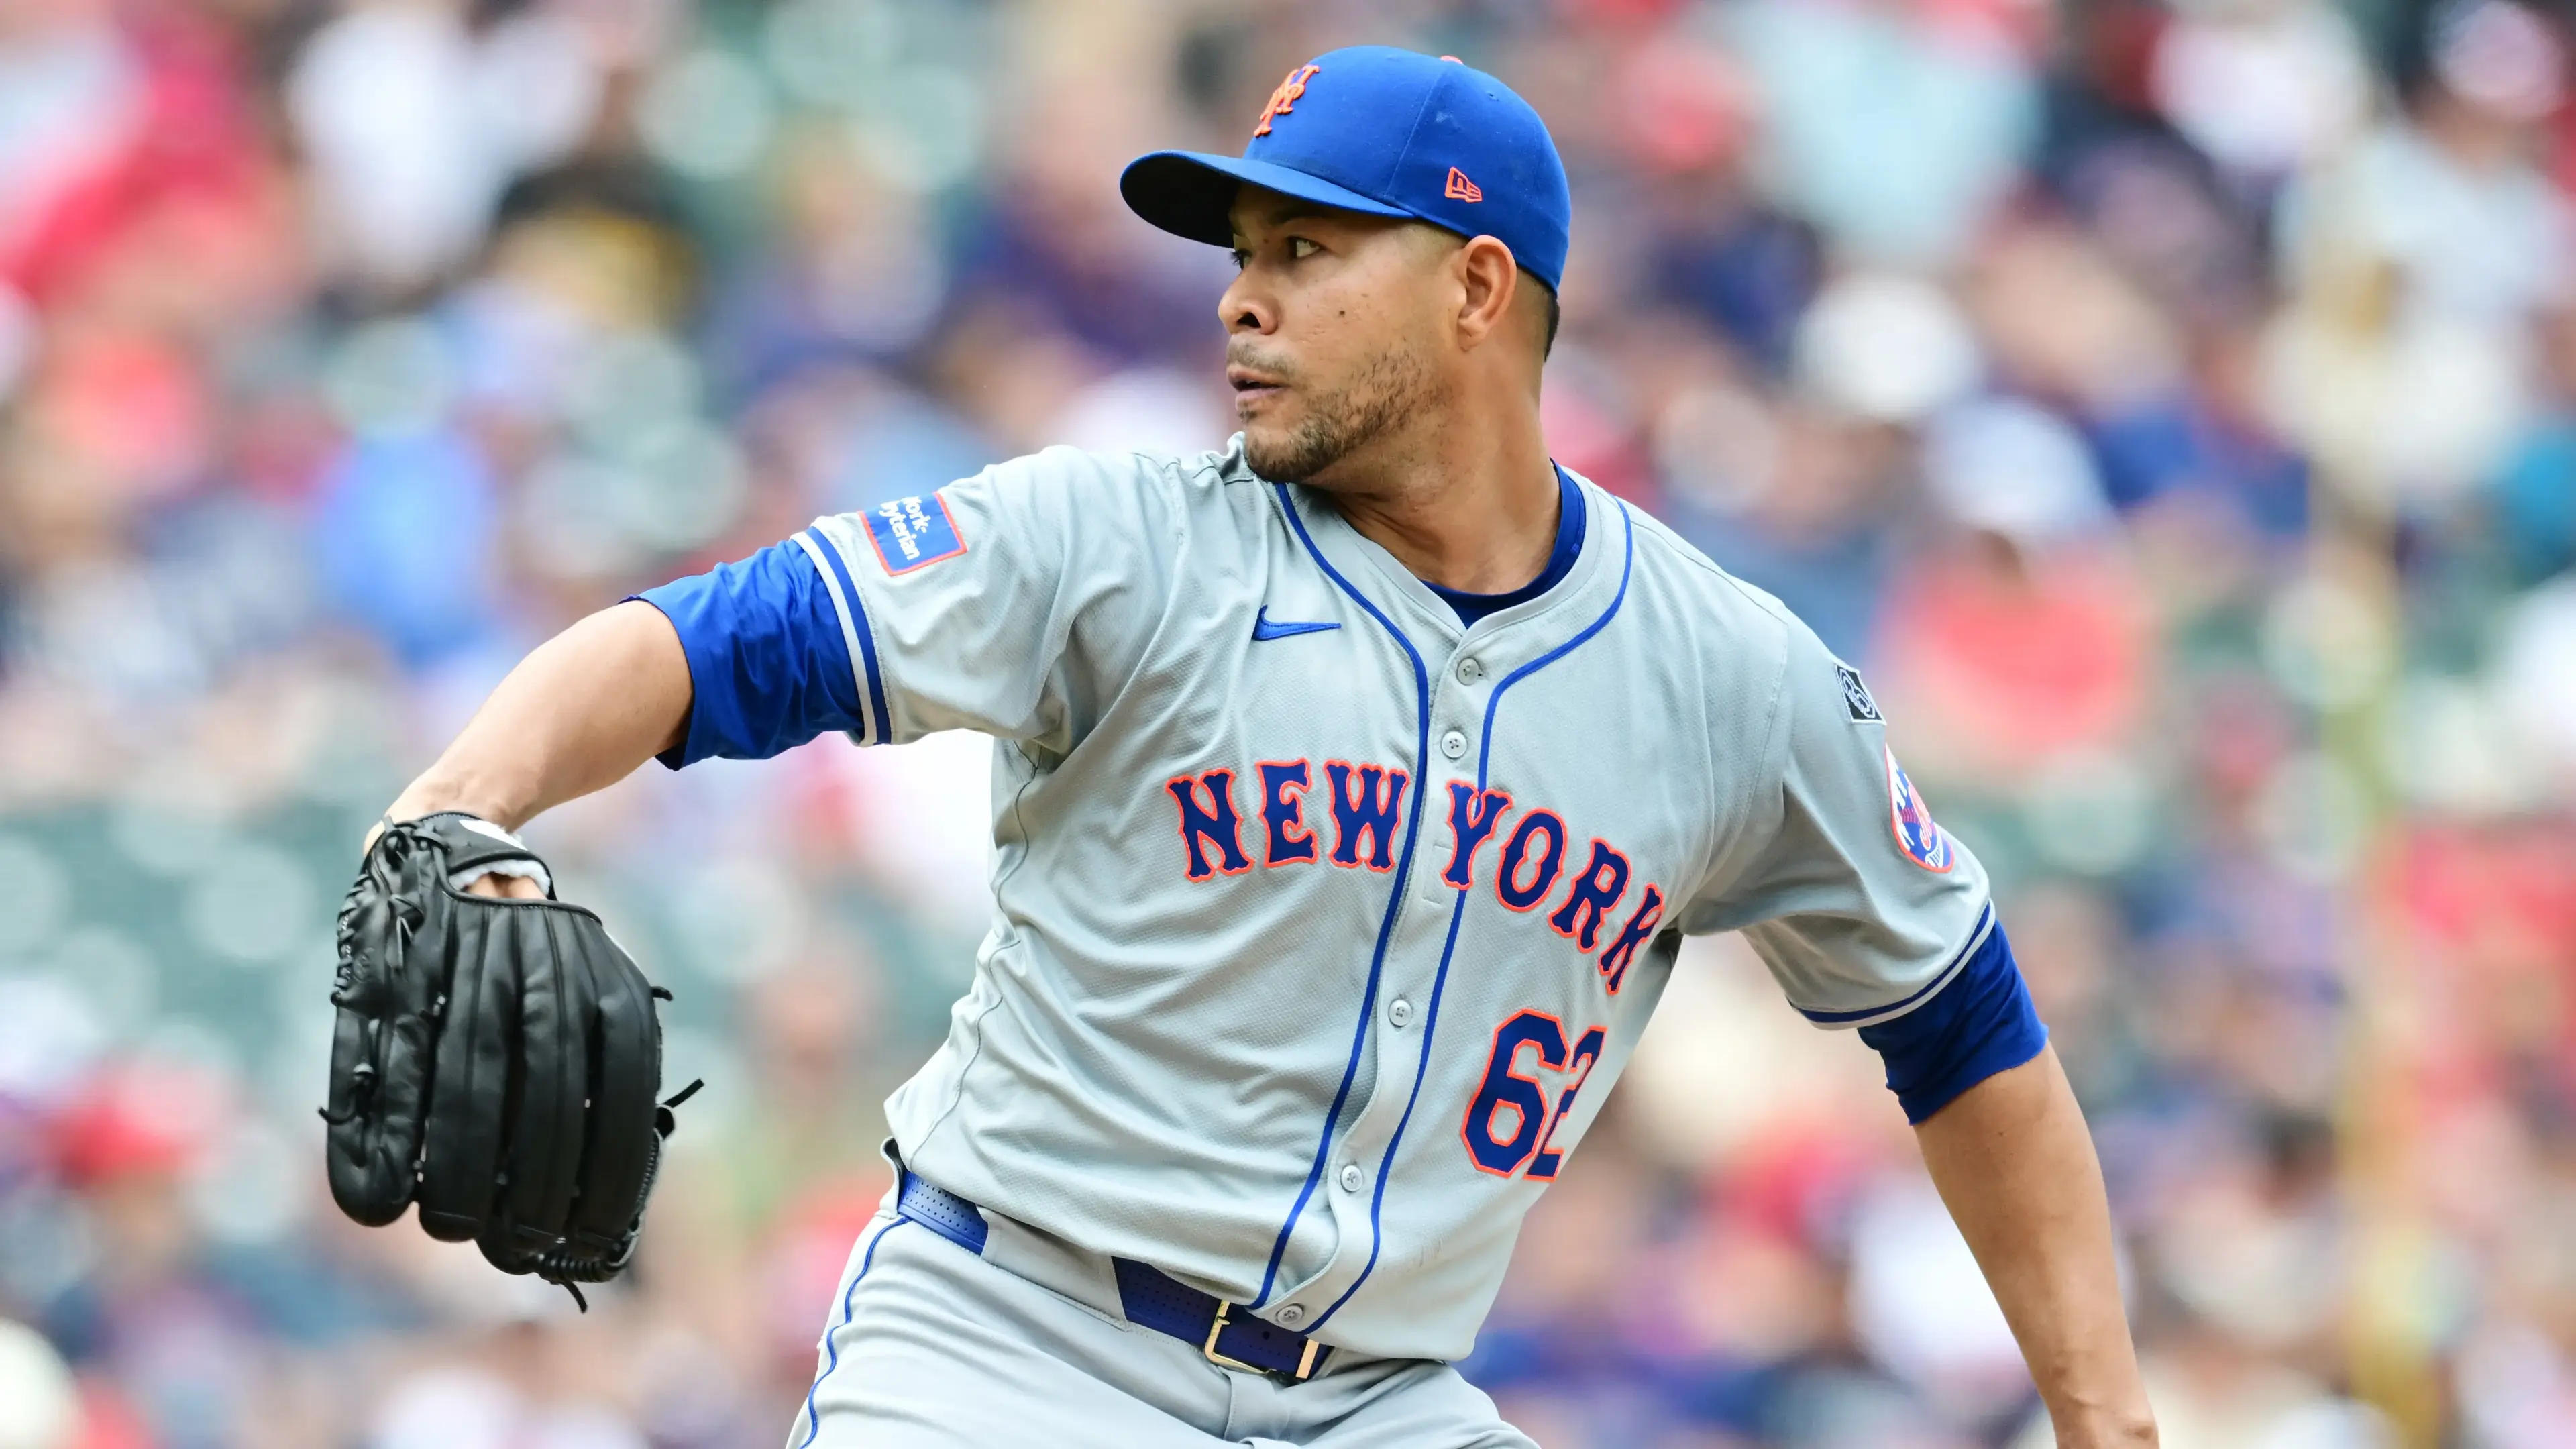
(870, 730)
(1873, 1015)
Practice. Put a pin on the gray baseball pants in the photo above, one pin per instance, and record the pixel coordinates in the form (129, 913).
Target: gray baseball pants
(932, 1347)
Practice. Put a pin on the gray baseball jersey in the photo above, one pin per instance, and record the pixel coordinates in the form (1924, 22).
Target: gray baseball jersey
(1323, 924)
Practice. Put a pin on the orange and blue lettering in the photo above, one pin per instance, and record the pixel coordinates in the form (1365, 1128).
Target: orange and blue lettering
(1473, 814)
(1639, 930)
(1597, 888)
(1283, 812)
(1369, 812)
(1213, 824)
(1508, 884)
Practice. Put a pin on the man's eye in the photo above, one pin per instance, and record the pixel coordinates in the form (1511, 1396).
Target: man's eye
(1300, 248)
(1242, 259)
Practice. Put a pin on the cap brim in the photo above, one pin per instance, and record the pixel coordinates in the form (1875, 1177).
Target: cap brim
(1191, 193)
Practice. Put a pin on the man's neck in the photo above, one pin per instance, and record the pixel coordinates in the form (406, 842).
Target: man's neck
(1469, 508)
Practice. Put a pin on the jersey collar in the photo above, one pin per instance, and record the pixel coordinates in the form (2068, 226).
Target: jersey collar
(1570, 517)
(1532, 626)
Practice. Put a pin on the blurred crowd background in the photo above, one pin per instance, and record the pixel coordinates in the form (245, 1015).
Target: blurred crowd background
(2171, 404)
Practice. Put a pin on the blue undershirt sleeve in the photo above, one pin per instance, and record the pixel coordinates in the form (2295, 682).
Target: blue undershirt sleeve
(1980, 1024)
(769, 664)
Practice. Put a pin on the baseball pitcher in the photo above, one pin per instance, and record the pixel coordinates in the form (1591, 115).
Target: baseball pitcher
(1353, 786)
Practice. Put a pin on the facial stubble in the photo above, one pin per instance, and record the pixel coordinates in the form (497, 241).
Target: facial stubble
(1393, 388)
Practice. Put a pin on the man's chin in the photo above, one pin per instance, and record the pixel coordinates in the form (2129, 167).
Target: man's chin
(1273, 451)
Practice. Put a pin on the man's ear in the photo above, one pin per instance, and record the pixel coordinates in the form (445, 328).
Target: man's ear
(1489, 279)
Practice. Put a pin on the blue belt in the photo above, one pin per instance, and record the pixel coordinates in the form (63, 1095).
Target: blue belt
(1150, 1297)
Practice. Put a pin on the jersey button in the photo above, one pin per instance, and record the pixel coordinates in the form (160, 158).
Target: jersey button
(1453, 744)
(1352, 1177)
(1291, 1314)
(1470, 669)
(1399, 1012)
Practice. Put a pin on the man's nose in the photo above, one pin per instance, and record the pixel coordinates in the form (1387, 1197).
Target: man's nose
(1244, 309)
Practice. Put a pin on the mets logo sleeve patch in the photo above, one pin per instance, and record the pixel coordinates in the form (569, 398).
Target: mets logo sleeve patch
(1923, 841)
(912, 533)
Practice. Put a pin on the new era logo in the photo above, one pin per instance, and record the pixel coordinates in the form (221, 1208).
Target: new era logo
(1462, 189)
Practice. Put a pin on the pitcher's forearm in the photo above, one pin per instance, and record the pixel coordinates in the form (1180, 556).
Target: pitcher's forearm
(577, 715)
(2014, 1162)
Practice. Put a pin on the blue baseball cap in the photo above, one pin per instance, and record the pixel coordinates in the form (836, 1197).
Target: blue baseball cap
(1387, 132)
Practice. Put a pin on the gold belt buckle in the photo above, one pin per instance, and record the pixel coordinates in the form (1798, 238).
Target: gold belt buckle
(1305, 1361)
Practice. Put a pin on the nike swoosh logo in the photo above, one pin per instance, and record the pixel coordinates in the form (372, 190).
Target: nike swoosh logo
(1262, 628)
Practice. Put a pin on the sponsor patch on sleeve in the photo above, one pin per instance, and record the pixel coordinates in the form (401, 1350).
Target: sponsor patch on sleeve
(1923, 841)
(1856, 695)
(912, 532)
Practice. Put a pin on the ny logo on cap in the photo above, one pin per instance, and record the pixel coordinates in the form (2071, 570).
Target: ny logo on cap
(1284, 99)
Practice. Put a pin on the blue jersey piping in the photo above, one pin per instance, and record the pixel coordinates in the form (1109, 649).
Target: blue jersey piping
(831, 1340)
(1458, 913)
(1394, 901)
(867, 645)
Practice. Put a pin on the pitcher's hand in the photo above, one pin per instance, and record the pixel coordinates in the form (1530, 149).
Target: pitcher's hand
(497, 885)
(505, 887)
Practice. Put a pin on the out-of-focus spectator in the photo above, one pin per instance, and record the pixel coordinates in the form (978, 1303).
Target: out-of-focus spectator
(39, 1405)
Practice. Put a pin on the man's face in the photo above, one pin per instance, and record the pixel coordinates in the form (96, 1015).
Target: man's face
(1331, 339)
